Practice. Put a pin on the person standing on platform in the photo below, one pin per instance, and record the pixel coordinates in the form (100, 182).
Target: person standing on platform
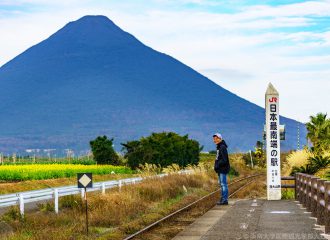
(222, 167)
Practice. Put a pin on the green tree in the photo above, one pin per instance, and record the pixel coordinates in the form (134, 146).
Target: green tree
(103, 151)
(162, 149)
(319, 132)
(259, 144)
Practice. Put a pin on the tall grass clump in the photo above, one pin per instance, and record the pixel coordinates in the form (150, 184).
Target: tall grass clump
(307, 162)
(147, 169)
(296, 159)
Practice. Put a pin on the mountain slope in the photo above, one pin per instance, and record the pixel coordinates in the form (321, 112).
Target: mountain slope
(92, 78)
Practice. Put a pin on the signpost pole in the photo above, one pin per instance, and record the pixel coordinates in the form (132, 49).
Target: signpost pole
(86, 206)
(273, 144)
(85, 180)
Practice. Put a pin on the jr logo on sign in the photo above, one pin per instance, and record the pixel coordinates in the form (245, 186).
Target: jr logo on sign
(273, 99)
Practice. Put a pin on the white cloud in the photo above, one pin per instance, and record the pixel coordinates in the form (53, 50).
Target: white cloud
(308, 8)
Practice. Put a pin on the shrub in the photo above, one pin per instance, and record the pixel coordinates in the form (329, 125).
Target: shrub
(288, 194)
(162, 149)
(103, 151)
(233, 172)
(314, 165)
(13, 214)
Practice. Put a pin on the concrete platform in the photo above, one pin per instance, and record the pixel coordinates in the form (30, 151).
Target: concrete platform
(254, 219)
(203, 224)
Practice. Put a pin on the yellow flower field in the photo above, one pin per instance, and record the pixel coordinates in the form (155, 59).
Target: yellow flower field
(49, 171)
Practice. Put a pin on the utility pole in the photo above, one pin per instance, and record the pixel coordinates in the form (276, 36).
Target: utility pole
(251, 158)
(298, 137)
(14, 157)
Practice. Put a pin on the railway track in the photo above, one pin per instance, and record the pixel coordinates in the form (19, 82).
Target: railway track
(211, 195)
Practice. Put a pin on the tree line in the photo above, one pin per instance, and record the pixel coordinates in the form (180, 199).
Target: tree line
(161, 149)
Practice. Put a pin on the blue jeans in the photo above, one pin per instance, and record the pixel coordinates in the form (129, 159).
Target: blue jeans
(224, 187)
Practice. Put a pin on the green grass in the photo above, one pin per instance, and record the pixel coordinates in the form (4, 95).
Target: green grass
(288, 194)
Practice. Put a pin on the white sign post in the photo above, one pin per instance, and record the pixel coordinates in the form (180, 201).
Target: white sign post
(85, 180)
(273, 144)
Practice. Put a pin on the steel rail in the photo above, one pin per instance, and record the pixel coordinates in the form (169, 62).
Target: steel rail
(190, 205)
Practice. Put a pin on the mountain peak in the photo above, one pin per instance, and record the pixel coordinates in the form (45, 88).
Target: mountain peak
(95, 19)
(92, 78)
(95, 31)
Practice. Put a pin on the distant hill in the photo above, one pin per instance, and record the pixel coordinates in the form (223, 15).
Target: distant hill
(92, 78)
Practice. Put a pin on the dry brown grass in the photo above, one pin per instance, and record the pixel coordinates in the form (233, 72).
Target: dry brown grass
(236, 161)
(115, 214)
(256, 189)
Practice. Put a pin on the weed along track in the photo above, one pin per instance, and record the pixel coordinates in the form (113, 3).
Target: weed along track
(115, 212)
(118, 212)
(168, 226)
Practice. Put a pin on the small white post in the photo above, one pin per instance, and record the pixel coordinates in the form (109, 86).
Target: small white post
(251, 158)
(120, 184)
(103, 188)
(82, 193)
(56, 200)
(21, 204)
(133, 181)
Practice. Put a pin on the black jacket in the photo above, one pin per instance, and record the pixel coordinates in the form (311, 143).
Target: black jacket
(221, 163)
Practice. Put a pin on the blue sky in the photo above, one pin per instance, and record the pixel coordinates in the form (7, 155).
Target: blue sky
(240, 45)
